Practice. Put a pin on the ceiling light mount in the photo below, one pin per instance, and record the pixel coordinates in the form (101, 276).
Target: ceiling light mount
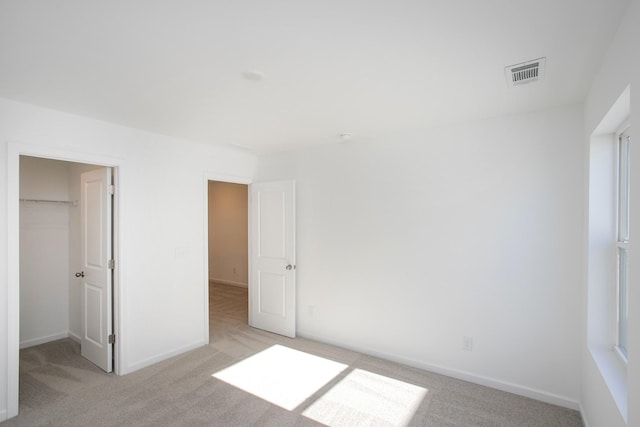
(253, 75)
(345, 137)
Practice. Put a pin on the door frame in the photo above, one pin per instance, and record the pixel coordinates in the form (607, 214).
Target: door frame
(14, 151)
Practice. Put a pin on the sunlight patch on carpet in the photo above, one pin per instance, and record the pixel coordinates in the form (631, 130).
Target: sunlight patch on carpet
(363, 398)
(281, 375)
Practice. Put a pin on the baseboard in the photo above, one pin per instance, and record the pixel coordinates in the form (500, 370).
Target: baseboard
(458, 374)
(228, 282)
(75, 337)
(585, 421)
(161, 357)
(43, 340)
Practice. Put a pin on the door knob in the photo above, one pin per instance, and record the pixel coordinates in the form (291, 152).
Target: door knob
(81, 274)
(290, 267)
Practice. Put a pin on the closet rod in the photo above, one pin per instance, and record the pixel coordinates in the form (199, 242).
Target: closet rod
(60, 202)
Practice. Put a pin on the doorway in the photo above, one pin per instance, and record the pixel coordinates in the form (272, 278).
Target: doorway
(15, 153)
(228, 256)
(50, 250)
(271, 258)
(55, 319)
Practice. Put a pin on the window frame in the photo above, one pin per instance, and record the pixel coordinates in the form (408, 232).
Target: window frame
(623, 180)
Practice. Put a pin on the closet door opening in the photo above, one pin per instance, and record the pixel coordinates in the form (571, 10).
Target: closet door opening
(64, 323)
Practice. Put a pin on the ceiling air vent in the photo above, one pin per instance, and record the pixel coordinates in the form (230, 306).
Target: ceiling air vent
(525, 72)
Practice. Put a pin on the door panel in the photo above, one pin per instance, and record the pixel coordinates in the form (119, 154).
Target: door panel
(94, 195)
(272, 288)
(272, 215)
(95, 211)
(93, 304)
(272, 283)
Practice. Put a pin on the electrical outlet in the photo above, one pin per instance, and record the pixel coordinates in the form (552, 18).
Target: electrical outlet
(467, 343)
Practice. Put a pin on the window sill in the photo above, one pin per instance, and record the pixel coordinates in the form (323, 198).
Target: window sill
(614, 371)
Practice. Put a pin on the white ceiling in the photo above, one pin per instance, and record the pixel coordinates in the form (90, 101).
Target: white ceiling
(368, 68)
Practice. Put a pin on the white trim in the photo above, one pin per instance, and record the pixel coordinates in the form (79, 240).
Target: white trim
(233, 179)
(44, 340)
(614, 374)
(229, 282)
(75, 337)
(509, 387)
(164, 356)
(13, 278)
(118, 249)
(618, 113)
(213, 176)
(3, 415)
(624, 127)
(14, 151)
(620, 355)
(583, 415)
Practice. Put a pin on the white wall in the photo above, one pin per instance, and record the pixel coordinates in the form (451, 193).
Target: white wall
(228, 233)
(162, 273)
(619, 69)
(404, 245)
(410, 243)
(44, 251)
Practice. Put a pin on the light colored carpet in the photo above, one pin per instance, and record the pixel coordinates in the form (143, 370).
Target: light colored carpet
(247, 377)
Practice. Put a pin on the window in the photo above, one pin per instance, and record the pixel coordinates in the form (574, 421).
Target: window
(609, 229)
(622, 243)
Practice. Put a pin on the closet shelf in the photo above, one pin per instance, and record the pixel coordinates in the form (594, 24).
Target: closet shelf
(59, 202)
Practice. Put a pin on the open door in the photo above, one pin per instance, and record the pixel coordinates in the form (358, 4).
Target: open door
(96, 199)
(272, 280)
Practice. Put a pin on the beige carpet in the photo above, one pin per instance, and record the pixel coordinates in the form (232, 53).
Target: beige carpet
(247, 377)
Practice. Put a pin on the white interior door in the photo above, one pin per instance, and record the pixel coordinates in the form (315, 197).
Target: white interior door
(96, 224)
(272, 281)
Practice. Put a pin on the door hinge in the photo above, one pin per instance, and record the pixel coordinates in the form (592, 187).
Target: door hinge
(111, 189)
(112, 339)
(111, 264)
